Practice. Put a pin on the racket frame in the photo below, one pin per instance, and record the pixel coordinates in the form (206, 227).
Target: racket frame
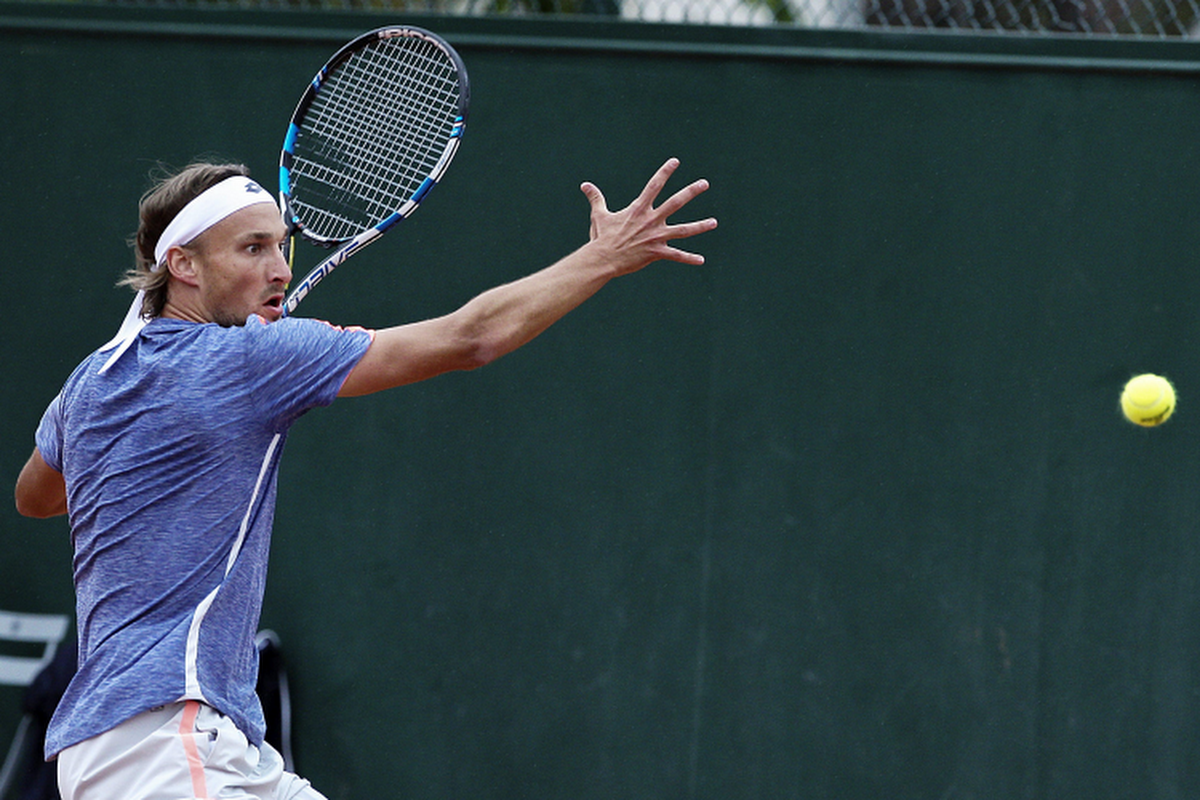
(356, 243)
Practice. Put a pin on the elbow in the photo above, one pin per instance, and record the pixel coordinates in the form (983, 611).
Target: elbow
(36, 508)
(477, 349)
(40, 491)
(26, 506)
(480, 354)
(480, 344)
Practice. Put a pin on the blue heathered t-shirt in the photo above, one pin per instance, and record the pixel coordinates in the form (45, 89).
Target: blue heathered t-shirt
(170, 460)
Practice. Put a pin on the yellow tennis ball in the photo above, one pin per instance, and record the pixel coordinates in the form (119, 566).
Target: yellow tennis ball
(1148, 400)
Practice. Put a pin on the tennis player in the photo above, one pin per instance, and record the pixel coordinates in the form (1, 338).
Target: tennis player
(163, 447)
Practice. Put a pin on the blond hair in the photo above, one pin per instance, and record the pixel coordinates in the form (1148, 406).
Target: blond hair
(158, 206)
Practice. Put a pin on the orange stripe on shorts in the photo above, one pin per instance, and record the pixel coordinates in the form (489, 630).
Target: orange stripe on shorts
(187, 730)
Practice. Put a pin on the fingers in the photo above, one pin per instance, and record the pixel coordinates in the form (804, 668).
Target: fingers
(682, 198)
(656, 183)
(675, 232)
(651, 192)
(640, 232)
(689, 229)
(683, 257)
(676, 201)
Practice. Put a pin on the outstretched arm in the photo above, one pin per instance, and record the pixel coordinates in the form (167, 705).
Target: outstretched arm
(41, 491)
(506, 317)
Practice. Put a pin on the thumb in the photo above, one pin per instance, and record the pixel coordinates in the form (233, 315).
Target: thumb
(595, 198)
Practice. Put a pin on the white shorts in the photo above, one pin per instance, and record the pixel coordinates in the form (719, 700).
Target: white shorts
(184, 751)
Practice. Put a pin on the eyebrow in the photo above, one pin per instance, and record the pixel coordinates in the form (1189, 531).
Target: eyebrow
(257, 236)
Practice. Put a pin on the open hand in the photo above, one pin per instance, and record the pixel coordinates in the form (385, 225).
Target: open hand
(639, 234)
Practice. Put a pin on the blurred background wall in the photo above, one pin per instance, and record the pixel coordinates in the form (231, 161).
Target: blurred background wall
(848, 512)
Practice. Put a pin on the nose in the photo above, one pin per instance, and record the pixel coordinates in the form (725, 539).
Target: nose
(280, 270)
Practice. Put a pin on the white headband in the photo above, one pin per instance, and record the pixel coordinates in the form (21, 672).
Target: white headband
(207, 209)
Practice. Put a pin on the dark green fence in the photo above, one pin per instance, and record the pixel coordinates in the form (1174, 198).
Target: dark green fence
(847, 513)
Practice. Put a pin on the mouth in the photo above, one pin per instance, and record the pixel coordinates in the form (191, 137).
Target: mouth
(274, 305)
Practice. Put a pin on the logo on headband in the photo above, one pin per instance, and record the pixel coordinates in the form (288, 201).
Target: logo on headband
(253, 188)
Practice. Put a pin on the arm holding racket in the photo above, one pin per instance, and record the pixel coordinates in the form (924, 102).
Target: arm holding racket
(506, 317)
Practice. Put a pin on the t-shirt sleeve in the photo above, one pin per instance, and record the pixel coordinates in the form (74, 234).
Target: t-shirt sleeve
(299, 364)
(49, 436)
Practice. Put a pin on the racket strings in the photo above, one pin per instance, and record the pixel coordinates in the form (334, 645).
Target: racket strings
(362, 174)
(373, 116)
(375, 131)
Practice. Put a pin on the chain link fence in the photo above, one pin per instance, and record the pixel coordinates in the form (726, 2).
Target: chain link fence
(1156, 19)
(1140, 18)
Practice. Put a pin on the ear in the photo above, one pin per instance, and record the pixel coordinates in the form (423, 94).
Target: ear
(182, 266)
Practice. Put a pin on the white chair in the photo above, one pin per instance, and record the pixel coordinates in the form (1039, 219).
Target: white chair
(27, 630)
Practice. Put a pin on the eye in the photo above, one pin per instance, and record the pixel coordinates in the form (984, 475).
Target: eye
(254, 249)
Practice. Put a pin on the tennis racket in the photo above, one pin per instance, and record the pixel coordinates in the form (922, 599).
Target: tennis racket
(374, 131)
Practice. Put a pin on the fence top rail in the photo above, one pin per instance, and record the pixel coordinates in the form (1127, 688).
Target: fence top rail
(933, 48)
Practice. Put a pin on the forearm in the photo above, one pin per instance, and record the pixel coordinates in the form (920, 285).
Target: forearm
(504, 318)
(492, 324)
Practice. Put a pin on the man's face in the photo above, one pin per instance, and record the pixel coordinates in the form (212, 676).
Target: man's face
(240, 268)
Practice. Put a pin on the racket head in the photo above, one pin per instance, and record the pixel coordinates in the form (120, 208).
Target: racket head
(372, 133)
